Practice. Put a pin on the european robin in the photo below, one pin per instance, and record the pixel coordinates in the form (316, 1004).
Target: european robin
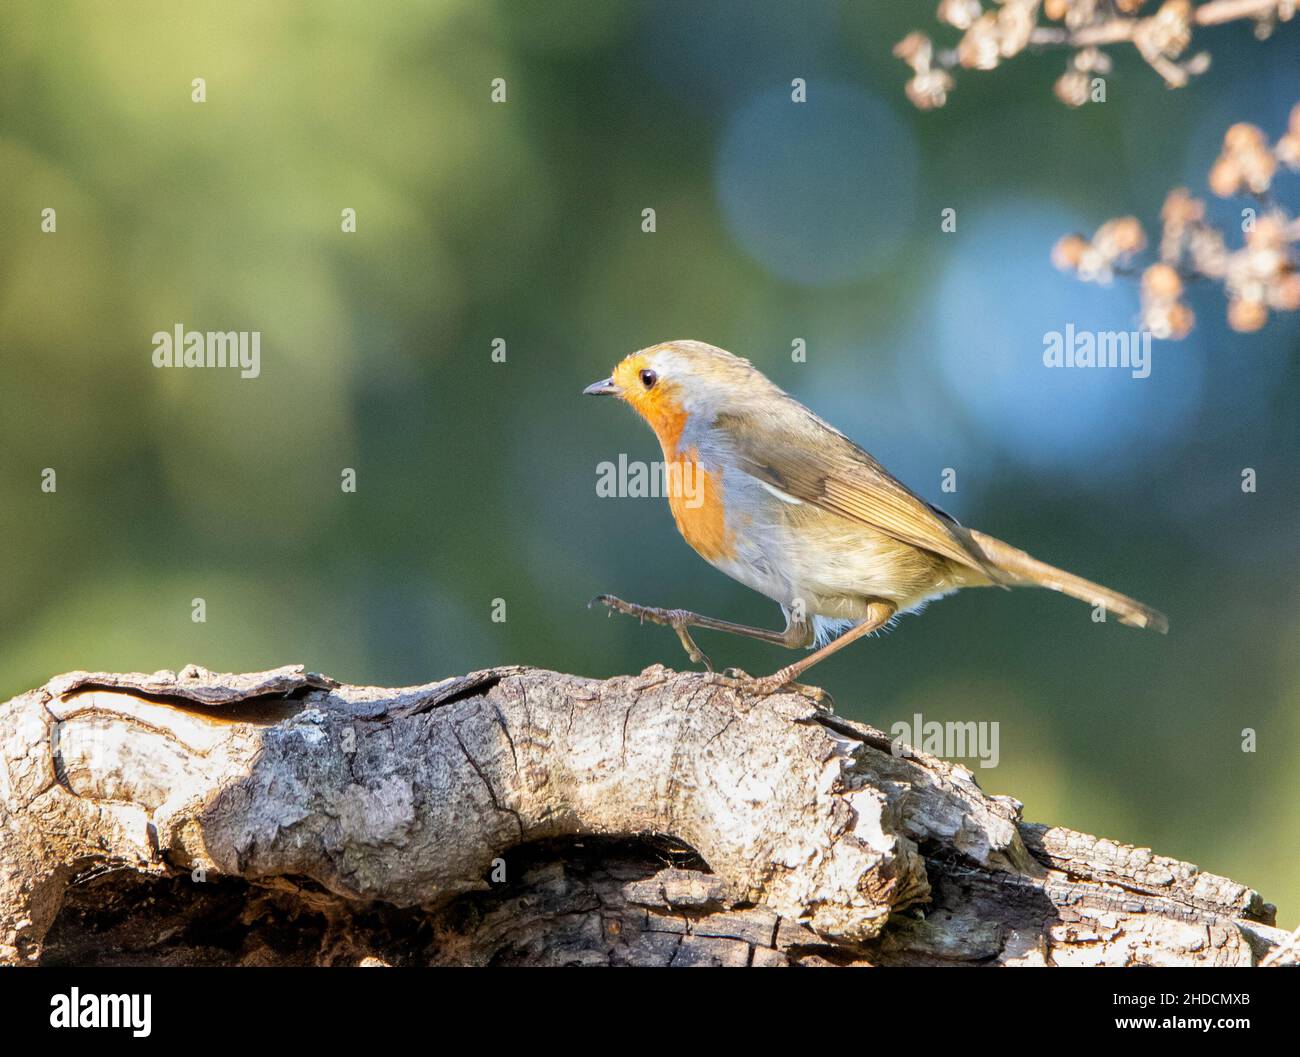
(780, 500)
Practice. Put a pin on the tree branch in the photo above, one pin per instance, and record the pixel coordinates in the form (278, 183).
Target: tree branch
(519, 815)
(1161, 33)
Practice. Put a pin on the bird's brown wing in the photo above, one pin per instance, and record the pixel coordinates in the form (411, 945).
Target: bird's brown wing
(795, 451)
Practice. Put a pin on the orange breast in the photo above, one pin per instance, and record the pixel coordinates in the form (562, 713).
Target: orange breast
(695, 498)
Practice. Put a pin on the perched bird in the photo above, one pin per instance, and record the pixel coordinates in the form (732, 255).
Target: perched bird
(778, 499)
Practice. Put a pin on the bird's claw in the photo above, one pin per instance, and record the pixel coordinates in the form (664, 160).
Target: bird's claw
(819, 697)
(616, 605)
(766, 686)
(677, 619)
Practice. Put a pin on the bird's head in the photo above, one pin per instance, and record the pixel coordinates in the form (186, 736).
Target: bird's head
(671, 383)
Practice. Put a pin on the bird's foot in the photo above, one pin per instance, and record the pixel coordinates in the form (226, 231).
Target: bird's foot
(677, 619)
(819, 697)
(777, 683)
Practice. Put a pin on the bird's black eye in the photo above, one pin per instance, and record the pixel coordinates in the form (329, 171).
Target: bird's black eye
(648, 379)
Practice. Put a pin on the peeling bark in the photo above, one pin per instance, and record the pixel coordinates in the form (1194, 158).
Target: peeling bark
(529, 817)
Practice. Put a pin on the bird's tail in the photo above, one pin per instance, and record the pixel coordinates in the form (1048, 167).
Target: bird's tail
(1018, 569)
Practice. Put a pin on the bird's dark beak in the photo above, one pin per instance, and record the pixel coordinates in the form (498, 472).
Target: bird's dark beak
(605, 387)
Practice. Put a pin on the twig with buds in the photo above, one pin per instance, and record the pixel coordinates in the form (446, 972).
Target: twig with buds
(1259, 277)
(991, 36)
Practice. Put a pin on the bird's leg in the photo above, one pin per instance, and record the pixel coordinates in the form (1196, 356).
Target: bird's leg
(795, 635)
(878, 615)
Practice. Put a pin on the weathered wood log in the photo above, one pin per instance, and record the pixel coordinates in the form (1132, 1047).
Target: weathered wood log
(524, 816)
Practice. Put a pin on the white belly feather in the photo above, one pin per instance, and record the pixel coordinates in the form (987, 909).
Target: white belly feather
(819, 565)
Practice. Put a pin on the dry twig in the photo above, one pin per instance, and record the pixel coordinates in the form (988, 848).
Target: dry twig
(1161, 35)
(1257, 278)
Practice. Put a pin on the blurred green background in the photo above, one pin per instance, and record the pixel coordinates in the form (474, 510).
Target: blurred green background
(522, 221)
